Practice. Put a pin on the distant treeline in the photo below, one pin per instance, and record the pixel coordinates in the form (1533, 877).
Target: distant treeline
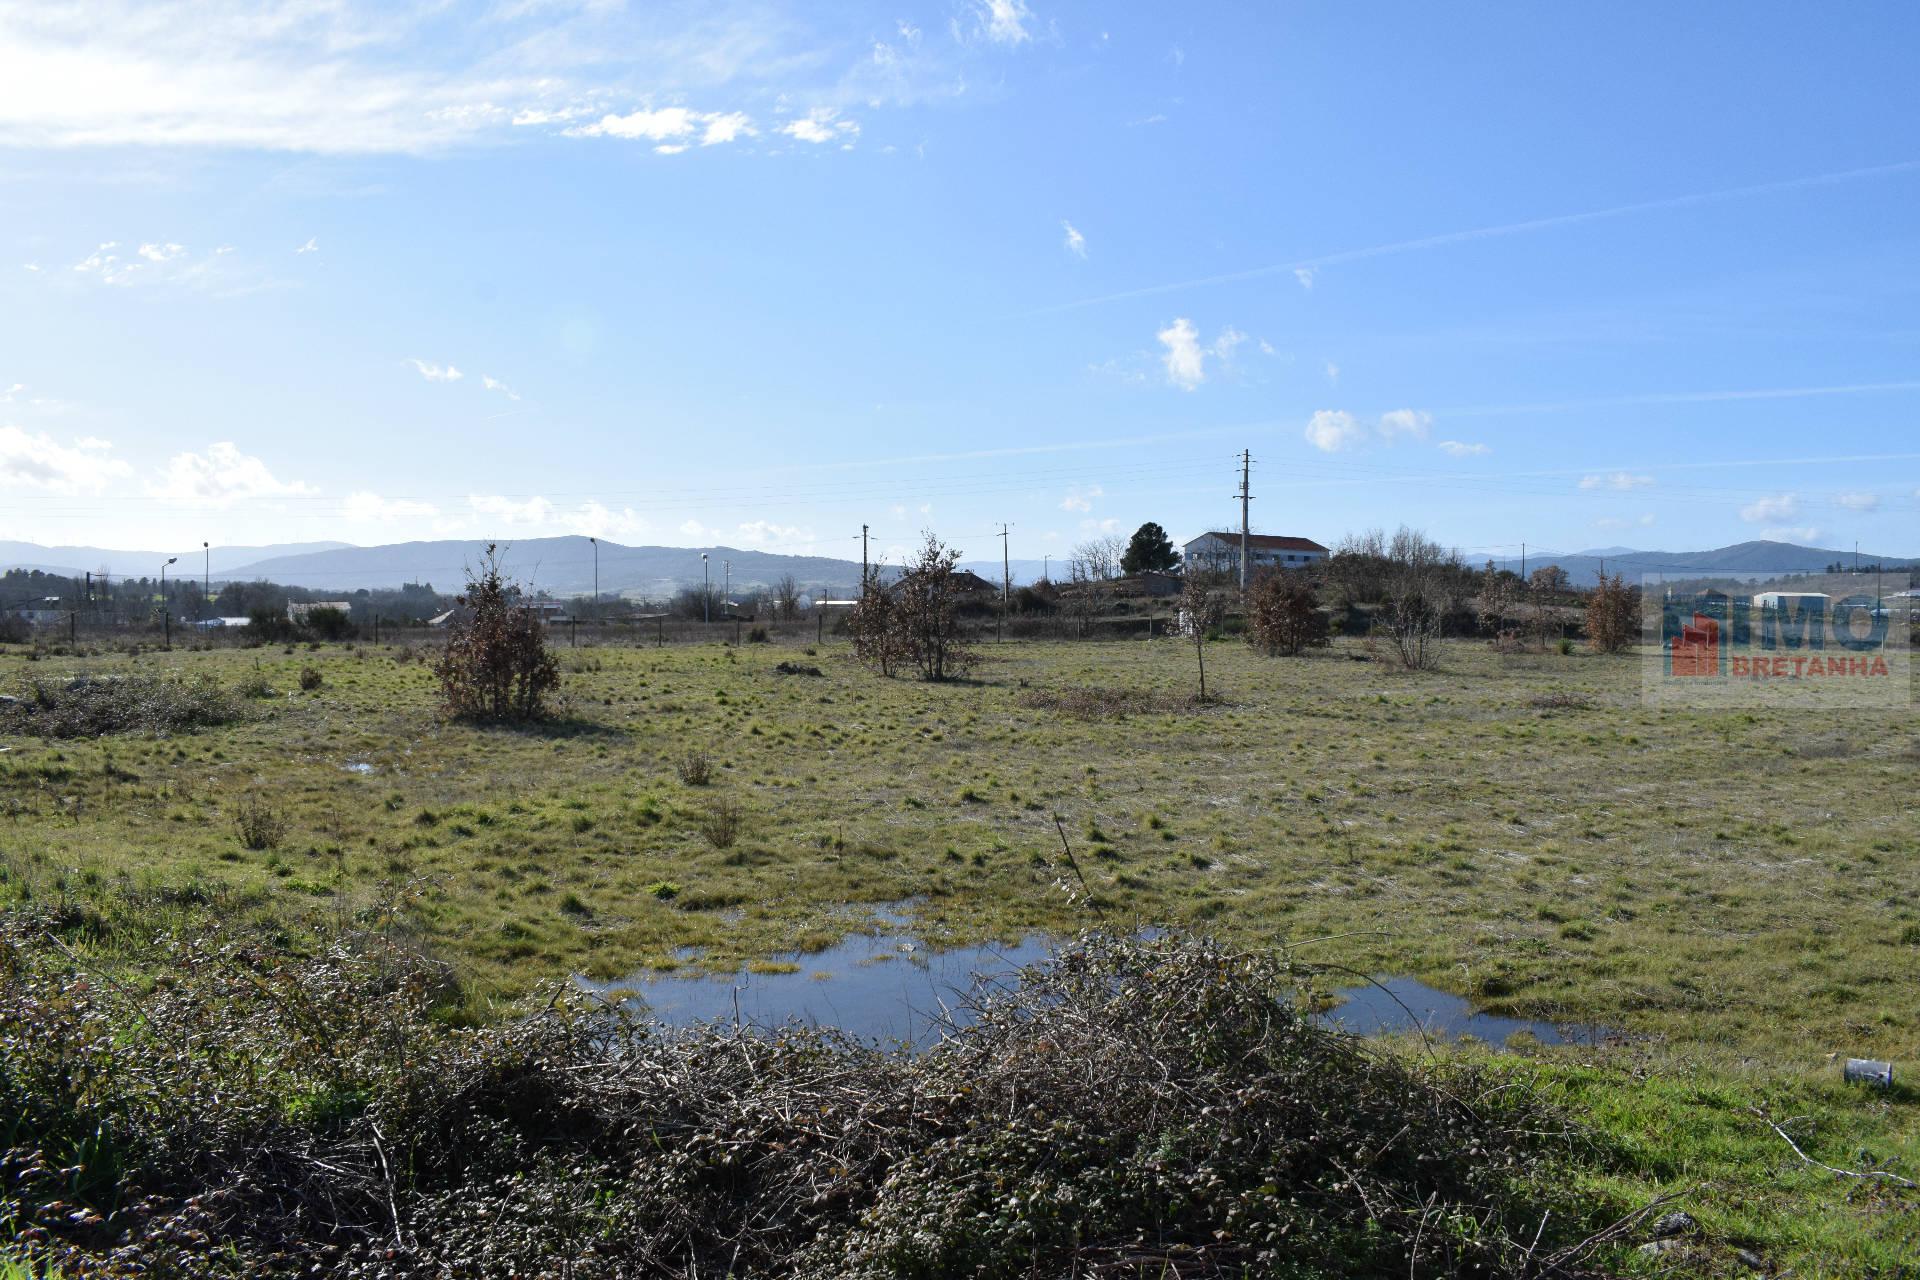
(107, 599)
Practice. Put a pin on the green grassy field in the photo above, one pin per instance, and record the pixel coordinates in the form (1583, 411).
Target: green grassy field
(1733, 892)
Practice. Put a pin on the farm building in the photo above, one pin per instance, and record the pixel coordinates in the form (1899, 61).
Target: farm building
(1220, 552)
(297, 612)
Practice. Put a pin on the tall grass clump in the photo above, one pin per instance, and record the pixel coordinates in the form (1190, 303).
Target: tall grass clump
(1131, 1108)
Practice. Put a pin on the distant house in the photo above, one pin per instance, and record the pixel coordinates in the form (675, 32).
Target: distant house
(297, 613)
(38, 617)
(546, 610)
(967, 585)
(1220, 552)
(1152, 583)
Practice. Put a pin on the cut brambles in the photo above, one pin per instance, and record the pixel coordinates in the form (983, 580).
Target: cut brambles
(1156, 1108)
(1097, 702)
(88, 706)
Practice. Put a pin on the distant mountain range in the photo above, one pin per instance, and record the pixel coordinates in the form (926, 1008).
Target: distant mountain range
(226, 562)
(1759, 558)
(564, 566)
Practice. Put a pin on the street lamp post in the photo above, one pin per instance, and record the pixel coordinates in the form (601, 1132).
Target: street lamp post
(726, 591)
(206, 575)
(706, 591)
(596, 578)
(166, 614)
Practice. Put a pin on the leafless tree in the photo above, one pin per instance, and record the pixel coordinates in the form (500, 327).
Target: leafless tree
(1419, 593)
(874, 626)
(1098, 559)
(786, 597)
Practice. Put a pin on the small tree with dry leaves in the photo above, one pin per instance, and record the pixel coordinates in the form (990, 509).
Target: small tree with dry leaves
(926, 613)
(1613, 614)
(874, 626)
(496, 665)
(1200, 610)
(1283, 615)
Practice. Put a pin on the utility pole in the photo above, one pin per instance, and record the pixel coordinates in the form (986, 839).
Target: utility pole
(1246, 468)
(726, 592)
(1046, 567)
(206, 574)
(863, 560)
(1523, 564)
(166, 613)
(1006, 580)
(596, 577)
(706, 591)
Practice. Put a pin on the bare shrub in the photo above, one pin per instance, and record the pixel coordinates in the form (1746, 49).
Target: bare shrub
(257, 824)
(926, 613)
(496, 665)
(720, 822)
(310, 679)
(695, 768)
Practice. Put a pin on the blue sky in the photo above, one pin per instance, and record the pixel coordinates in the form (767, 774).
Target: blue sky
(1630, 274)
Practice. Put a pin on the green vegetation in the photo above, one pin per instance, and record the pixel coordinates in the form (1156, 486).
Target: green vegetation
(1736, 893)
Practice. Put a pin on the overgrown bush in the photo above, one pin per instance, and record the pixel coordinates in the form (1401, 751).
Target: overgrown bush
(1283, 615)
(695, 768)
(88, 706)
(496, 664)
(1134, 1108)
(257, 824)
(311, 679)
(1613, 614)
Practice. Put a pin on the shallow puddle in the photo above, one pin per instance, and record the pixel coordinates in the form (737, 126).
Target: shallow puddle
(890, 988)
(1403, 1005)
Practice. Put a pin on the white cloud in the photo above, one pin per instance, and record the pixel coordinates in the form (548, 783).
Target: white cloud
(670, 148)
(370, 508)
(765, 534)
(1075, 242)
(1004, 21)
(1619, 481)
(726, 127)
(1079, 499)
(1185, 361)
(1859, 501)
(220, 477)
(1332, 430)
(38, 461)
(1333, 372)
(1768, 510)
(436, 373)
(1186, 358)
(30, 266)
(494, 384)
(1803, 533)
(656, 126)
(1108, 525)
(1336, 430)
(820, 125)
(1305, 276)
(1622, 522)
(1405, 422)
(108, 266)
(311, 246)
(161, 252)
(1461, 449)
(537, 514)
